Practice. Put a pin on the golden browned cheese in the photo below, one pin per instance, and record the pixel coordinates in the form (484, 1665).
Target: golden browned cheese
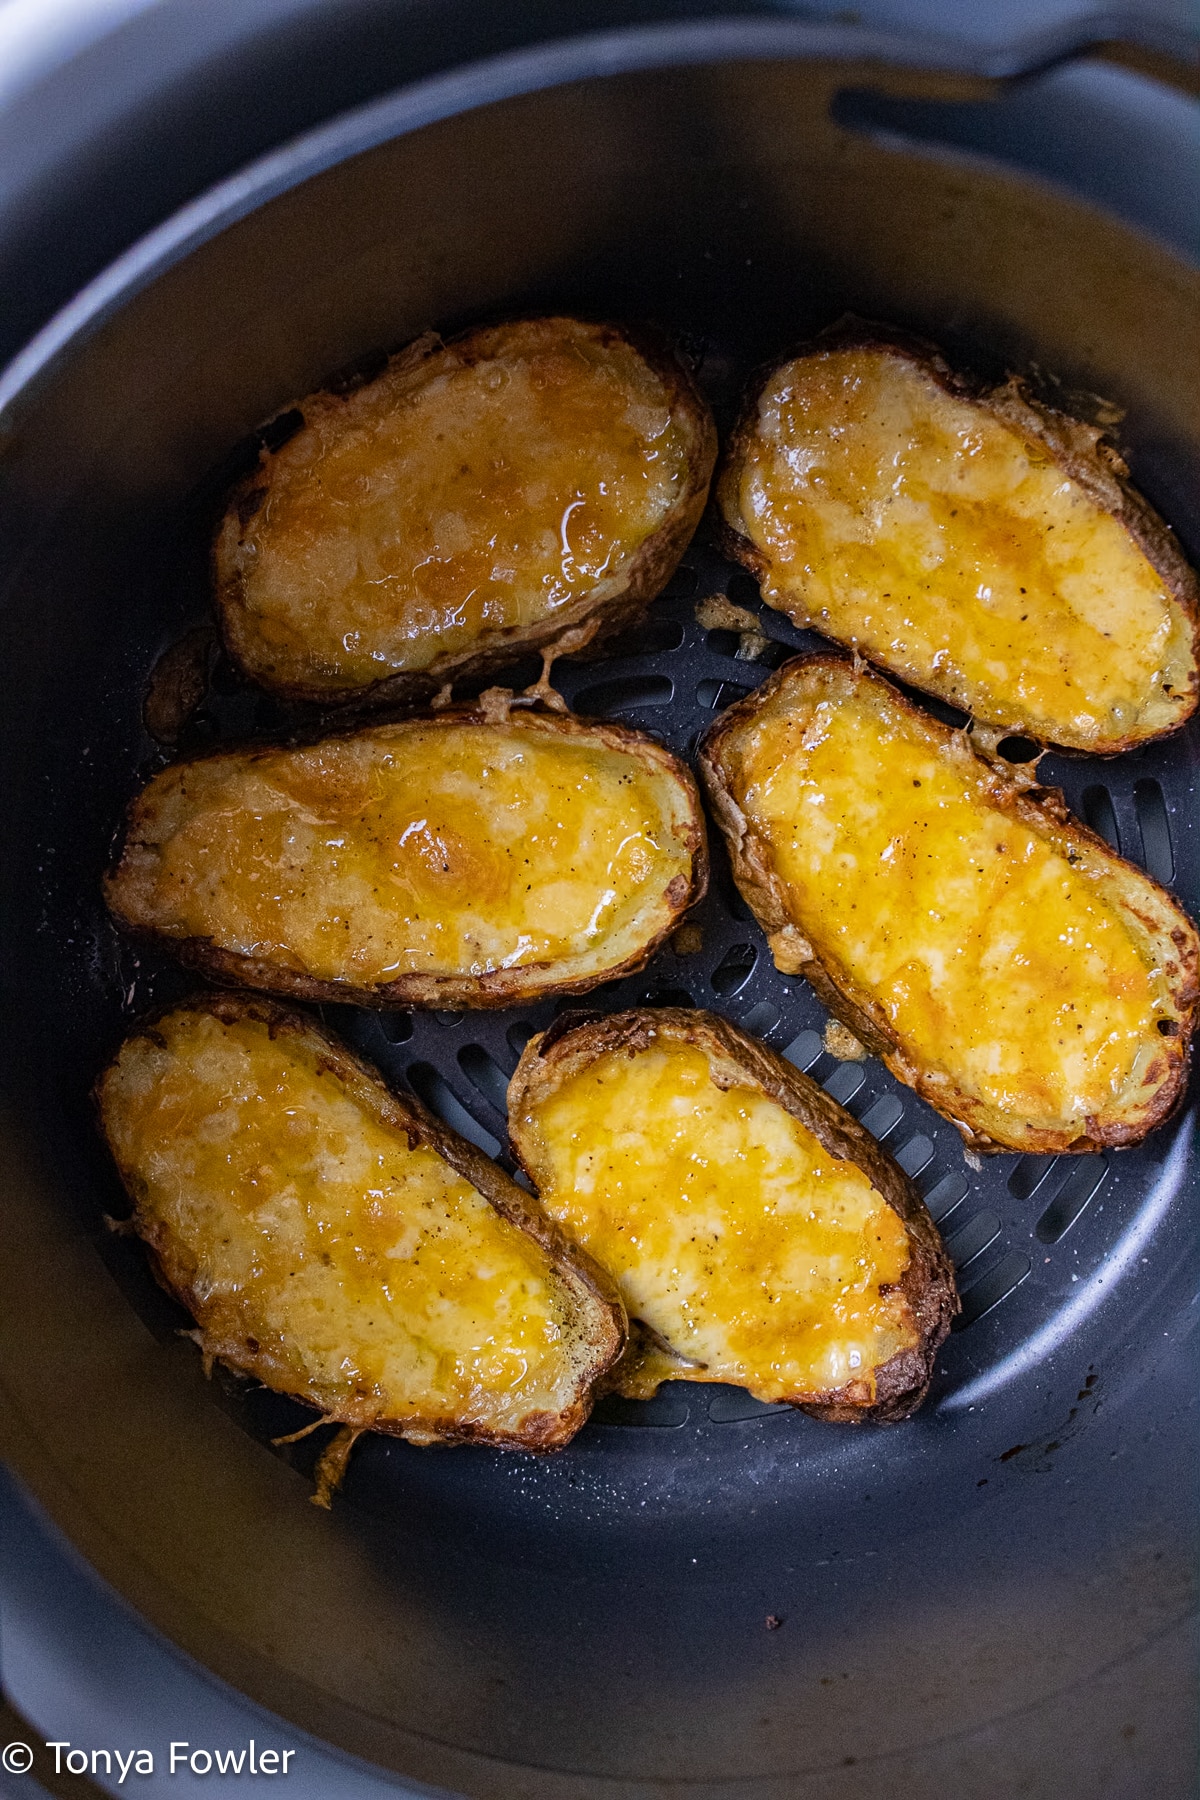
(1013, 963)
(752, 1251)
(926, 530)
(534, 851)
(319, 1250)
(470, 494)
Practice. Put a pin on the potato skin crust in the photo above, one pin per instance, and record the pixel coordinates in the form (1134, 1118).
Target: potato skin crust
(591, 1286)
(581, 628)
(577, 1039)
(498, 988)
(1042, 811)
(1080, 450)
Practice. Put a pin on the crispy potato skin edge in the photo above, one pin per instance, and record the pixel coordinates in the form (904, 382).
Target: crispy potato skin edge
(501, 987)
(1078, 449)
(590, 1285)
(583, 627)
(575, 1041)
(765, 894)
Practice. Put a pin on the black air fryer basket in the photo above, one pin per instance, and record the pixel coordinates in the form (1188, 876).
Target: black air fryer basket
(701, 1595)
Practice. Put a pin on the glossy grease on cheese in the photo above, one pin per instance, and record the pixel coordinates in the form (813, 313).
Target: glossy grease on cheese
(455, 499)
(421, 848)
(364, 1275)
(993, 950)
(730, 1230)
(926, 532)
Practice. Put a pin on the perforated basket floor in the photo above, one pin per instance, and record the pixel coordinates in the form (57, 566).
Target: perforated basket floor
(1036, 1241)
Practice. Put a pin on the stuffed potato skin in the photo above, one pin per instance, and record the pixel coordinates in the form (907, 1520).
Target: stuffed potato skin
(284, 1193)
(988, 944)
(975, 543)
(527, 486)
(471, 857)
(572, 1106)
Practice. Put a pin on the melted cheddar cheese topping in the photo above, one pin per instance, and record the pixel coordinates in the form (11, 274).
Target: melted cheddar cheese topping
(921, 529)
(991, 948)
(732, 1233)
(457, 500)
(426, 848)
(320, 1249)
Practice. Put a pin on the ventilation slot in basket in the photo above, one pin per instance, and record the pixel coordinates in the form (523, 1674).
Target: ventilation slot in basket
(915, 1155)
(845, 1082)
(883, 1115)
(805, 1050)
(627, 695)
(1099, 813)
(682, 584)
(730, 1406)
(1080, 1188)
(397, 1028)
(661, 996)
(653, 637)
(485, 1075)
(762, 1019)
(715, 694)
(667, 1410)
(734, 970)
(440, 1098)
(973, 1238)
(945, 1195)
(1029, 1175)
(742, 589)
(1158, 859)
(992, 1288)
(1017, 749)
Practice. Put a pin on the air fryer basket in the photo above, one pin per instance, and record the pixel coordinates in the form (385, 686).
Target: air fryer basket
(597, 1622)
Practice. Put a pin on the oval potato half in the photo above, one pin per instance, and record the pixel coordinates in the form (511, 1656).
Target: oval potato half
(336, 1241)
(1029, 983)
(757, 1233)
(526, 485)
(469, 858)
(977, 544)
